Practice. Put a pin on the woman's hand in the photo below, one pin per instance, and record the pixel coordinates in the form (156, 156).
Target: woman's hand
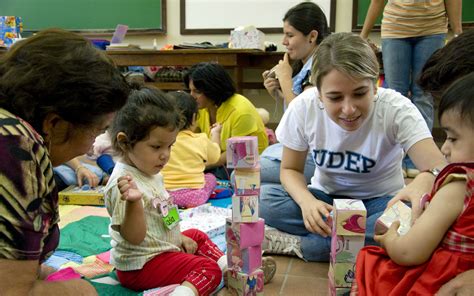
(272, 85)
(128, 189)
(189, 245)
(313, 212)
(283, 70)
(84, 173)
(461, 285)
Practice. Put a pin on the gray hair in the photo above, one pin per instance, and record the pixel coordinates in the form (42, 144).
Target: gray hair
(347, 53)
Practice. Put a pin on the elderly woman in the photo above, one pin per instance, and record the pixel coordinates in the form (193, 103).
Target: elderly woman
(57, 93)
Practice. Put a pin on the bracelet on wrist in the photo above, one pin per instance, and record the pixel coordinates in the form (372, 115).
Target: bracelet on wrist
(78, 168)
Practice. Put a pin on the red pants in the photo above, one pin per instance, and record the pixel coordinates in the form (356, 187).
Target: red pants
(200, 269)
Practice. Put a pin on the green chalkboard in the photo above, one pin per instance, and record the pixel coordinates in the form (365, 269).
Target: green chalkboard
(88, 15)
(360, 7)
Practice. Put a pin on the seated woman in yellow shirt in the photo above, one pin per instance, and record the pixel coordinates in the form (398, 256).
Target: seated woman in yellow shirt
(215, 93)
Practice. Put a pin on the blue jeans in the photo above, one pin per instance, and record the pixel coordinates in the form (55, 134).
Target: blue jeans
(66, 175)
(403, 60)
(279, 210)
(270, 162)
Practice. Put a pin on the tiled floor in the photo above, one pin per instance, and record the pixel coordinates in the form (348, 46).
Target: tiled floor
(296, 277)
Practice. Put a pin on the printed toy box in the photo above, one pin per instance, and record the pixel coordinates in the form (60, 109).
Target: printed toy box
(346, 248)
(241, 284)
(398, 212)
(245, 235)
(341, 274)
(247, 181)
(10, 29)
(242, 152)
(245, 260)
(349, 217)
(245, 208)
(85, 195)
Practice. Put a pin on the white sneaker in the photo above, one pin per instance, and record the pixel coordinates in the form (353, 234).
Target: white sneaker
(279, 242)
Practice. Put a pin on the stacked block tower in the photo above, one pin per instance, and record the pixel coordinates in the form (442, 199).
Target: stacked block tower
(348, 224)
(245, 230)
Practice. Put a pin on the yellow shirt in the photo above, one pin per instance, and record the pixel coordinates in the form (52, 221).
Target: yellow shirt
(414, 18)
(189, 156)
(238, 117)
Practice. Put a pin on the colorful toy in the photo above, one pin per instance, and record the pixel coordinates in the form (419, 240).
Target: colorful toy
(346, 248)
(242, 152)
(245, 235)
(398, 212)
(349, 217)
(244, 260)
(241, 284)
(247, 181)
(245, 208)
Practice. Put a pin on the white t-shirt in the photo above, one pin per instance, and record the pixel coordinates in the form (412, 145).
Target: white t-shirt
(364, 163)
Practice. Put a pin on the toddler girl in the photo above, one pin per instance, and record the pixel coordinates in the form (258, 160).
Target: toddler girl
(184, 173)
(148, 248)
(440, 244)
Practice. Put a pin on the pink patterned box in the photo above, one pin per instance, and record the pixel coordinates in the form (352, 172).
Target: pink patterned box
(245, 235)
(398, 212)
(345, 248)
(242, 284)
(349, 217)
(244, 260)
(245, 208)
(246, 181)
(242, 152)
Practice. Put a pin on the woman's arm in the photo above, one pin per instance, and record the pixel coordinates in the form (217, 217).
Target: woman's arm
(20, 277)
(417, 246)
(426, 155)
(375, 9)
(83, 173)
(454, 11)
(293, 180)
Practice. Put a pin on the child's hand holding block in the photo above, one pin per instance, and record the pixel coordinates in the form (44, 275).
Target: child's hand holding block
(349, 217)
(247, 181)
(245, 208)
(245, 284)
(398, 212)
(242, 152)
(245, 235)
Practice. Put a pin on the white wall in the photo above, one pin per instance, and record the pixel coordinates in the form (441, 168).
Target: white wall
(173, 36)
(260, 98)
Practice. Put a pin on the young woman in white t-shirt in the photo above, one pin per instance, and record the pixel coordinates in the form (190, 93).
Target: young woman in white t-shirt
(357, 134)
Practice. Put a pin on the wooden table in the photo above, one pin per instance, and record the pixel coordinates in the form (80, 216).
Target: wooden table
(234, 59)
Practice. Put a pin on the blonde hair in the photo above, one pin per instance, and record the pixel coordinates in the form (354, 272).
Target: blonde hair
(347, 53)
(264, 115)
